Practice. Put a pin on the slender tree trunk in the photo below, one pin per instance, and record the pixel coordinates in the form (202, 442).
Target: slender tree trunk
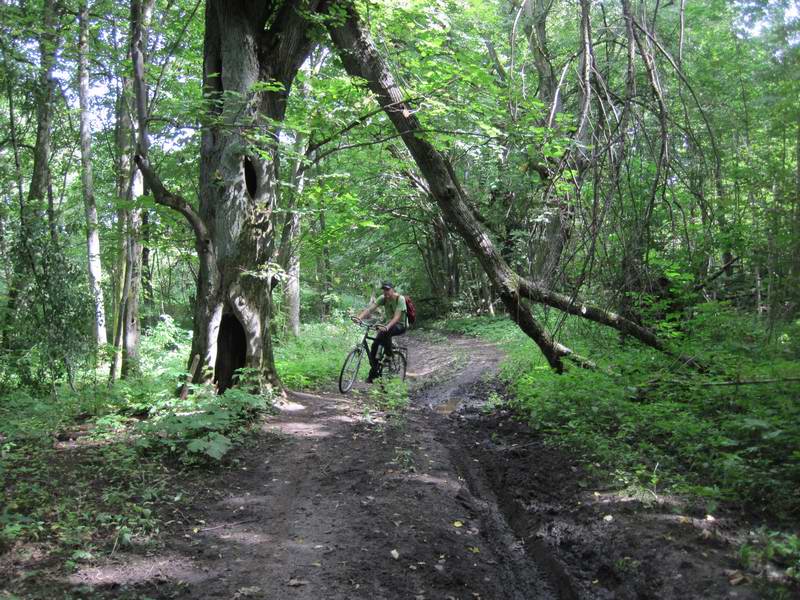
(120, 295)
(759, 298)
(148, 295)
(289, 254)
(124, 152)
(92, 234)
(327, 285)
(290, 260)
(14, 276)
(795, 265)
(133, 282)
(141, 15)
(37, 194)
(293, 278)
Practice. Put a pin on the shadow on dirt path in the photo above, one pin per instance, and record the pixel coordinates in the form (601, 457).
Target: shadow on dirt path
(330, 502)
(444, 501)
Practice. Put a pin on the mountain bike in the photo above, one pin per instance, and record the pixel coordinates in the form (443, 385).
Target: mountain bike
(393, 366)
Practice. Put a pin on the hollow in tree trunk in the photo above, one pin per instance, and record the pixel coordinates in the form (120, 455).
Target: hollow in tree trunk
(252, 52)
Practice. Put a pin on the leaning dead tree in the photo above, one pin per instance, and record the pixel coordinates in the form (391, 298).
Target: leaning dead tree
(362, 59)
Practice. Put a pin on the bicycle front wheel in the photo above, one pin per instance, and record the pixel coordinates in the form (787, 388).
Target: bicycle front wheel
(349, 372)
(396, 367)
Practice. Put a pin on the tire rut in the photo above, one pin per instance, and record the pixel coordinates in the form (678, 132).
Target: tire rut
(329, 502)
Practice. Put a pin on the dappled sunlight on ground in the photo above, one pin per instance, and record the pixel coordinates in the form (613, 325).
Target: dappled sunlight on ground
(345, 419)
(299, 428)
(136, 569)
(245, 537)
(288, 406)
(440, 482)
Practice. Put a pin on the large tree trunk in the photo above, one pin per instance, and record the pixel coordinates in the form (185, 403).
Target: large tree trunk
(246, 44)
(238, 186)
(92, 235)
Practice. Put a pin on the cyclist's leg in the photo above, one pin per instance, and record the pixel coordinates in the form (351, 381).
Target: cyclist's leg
(396, 329)
(373, 360)
(388, 344)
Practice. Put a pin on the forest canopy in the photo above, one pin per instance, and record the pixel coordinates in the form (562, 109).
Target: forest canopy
(626, 161)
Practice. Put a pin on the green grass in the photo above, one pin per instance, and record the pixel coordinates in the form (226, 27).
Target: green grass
(315, 358)
(660, 427)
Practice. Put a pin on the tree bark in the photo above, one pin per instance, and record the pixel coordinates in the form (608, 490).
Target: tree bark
(40, 178)
(133, 282)
(289, 254)
(14, 277)
(124, 153)
(327, 276)
(245, 44)
(795, 267)
(292, 293)
(90, 207)
(141, 15)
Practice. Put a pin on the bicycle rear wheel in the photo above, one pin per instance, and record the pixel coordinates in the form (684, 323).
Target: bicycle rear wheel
(349, 373)
(396, 366)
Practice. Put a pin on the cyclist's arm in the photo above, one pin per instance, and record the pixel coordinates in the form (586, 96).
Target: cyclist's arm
(367, 310)
(398, 314)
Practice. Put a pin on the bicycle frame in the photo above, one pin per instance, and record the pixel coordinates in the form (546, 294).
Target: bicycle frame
(365, 345)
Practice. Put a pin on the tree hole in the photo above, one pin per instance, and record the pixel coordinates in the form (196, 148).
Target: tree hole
(250, 177)
(231, 352)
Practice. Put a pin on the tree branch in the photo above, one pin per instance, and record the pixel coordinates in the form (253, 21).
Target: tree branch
(173, 201)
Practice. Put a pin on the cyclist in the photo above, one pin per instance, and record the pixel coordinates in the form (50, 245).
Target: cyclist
(395, 313)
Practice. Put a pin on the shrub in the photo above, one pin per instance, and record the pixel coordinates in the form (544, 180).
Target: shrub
(640, 413)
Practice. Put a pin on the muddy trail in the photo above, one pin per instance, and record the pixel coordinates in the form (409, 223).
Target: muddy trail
(449, 500)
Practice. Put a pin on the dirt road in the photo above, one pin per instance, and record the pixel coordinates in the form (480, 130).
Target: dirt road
(448, 500)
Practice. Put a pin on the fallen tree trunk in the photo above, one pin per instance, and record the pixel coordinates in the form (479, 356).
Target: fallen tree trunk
(362, 59)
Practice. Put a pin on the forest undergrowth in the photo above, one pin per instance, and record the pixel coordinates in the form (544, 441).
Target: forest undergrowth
(727, 439)
(656, 429)
(94, 468)
(100, 467)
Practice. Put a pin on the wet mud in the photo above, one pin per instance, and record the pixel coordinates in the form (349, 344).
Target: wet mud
(450, 499)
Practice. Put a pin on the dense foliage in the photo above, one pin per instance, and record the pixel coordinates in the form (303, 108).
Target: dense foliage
(640, 155)
(730, 437)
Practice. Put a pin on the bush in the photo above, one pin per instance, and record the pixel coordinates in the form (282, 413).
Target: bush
(203, 426)
(640, 414)
(115, 485)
